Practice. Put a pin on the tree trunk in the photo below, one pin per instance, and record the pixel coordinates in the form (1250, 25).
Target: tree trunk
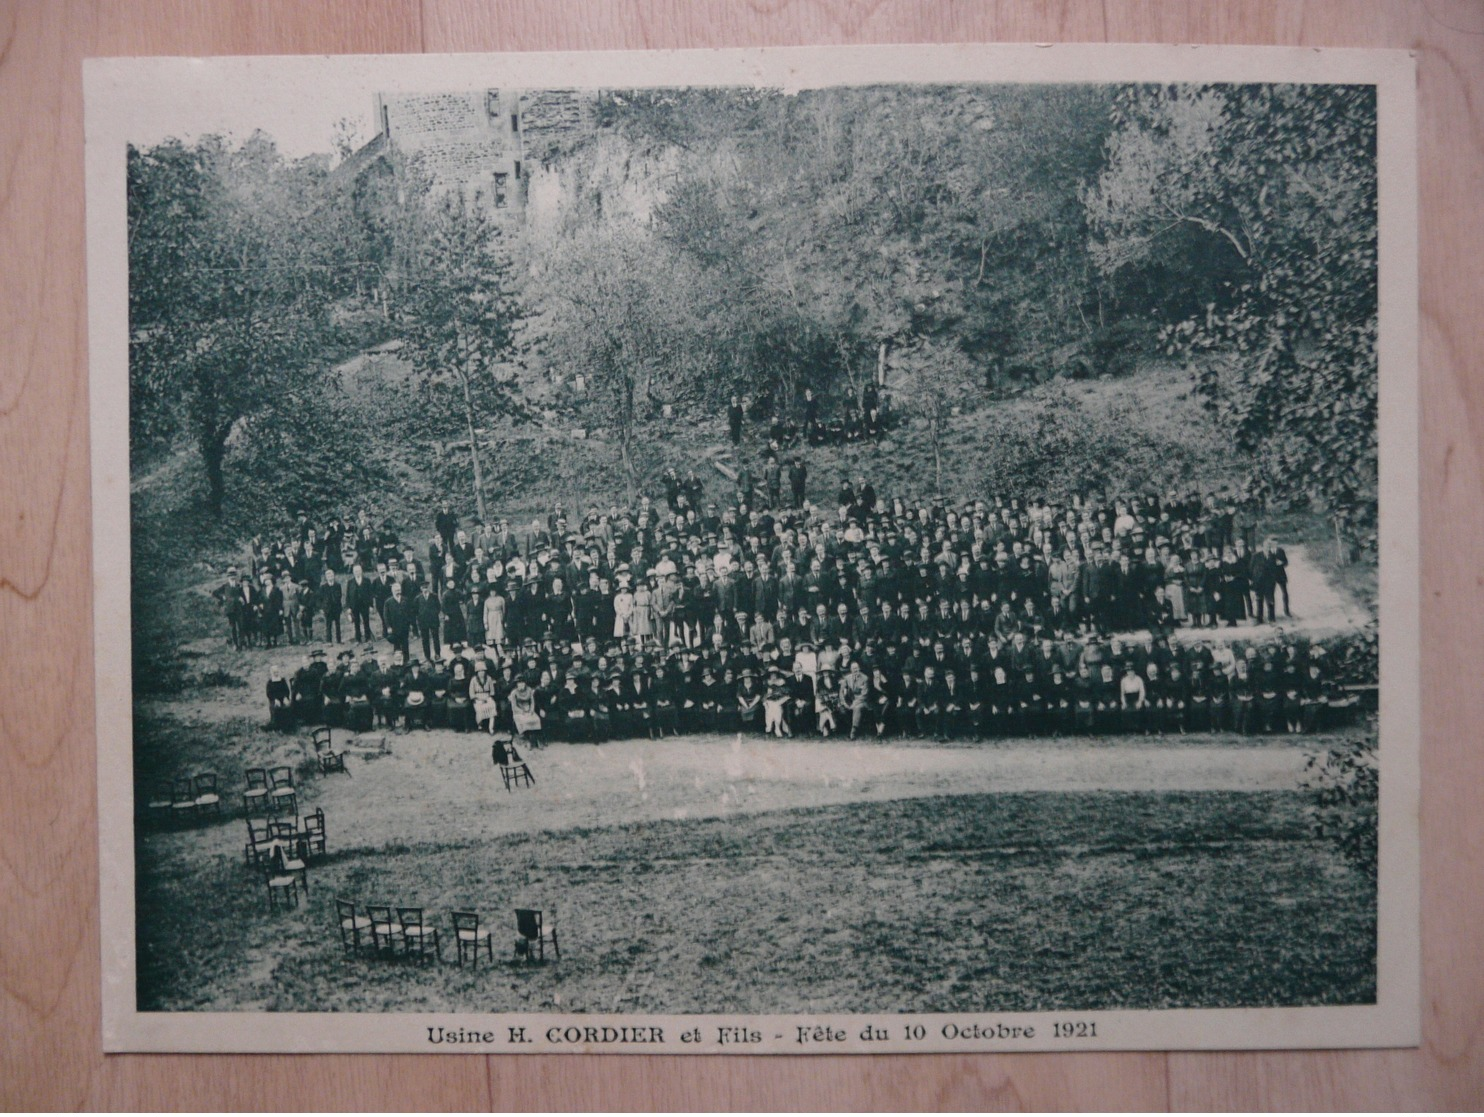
(628, 464)
(473, 447)
(881, 366)
(214, 454)
(937, 457)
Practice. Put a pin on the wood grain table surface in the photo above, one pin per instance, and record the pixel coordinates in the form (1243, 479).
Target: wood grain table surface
(49, 952)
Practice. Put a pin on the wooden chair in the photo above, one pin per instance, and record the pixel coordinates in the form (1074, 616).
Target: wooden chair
(352, 926)
(417, 934)
(282, 882)
(329, 759)
(183, 798)
(312, 833)
(513, 770)
(384, 928)
(285, 839)
(282, 798)
(468, 935)
(256, 795)
(534, 935)
(259, 841)
(207, 799)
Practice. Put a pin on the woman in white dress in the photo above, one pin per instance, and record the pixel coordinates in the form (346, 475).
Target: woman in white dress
(494, 619)
(623, 612)
(643, 616)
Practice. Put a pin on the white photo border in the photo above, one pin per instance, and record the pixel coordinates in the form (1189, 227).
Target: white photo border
(123, 94)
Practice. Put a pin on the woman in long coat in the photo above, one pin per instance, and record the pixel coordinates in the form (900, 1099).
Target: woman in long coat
(643, 620)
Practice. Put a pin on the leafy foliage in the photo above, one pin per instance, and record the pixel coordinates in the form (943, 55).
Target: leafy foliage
(1277, 186)
(622, 314)
(1344, 784)
(234, 260)
(457, 311)
(1062, 446)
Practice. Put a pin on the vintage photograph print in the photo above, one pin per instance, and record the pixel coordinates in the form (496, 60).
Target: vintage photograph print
(762, 551)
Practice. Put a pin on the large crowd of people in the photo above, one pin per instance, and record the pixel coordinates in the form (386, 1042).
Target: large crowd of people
(771, 614)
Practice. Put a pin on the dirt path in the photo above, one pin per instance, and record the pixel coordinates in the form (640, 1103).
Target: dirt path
(1319, 610)
(441, 786)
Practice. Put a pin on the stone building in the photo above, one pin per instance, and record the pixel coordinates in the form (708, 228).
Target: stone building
(485, 143)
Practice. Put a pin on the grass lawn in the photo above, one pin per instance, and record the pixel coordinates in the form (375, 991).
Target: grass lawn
(946, 902)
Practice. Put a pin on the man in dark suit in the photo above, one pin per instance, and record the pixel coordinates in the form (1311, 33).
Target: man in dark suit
(360, 599)
(429, 611)
(446, 523)
(734, 420)
(400, 620)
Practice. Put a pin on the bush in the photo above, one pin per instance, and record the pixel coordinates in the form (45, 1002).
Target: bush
(1344, 785)
(1062, 446)
(1115, 349)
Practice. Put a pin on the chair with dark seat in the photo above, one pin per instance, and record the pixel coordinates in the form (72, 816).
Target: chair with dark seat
(282, 798)
(256, 795)
(259, 841)
(417, 933)
(469, 936)
(355, 929)
(282, 882)
(207, 799)
(183, 798)
(513, 770)
(329, 759)
(312, 833)
(534, 935)
(384, 928)
(285, 838)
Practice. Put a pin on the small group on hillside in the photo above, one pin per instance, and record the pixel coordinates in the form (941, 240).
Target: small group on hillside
(859, 420)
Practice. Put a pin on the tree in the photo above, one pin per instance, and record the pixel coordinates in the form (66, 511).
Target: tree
(456, 308)
(620, 313)
(1277, 186)
(232, 270)
(934, 379)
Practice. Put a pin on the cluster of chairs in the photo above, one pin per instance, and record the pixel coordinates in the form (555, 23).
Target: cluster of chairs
(385, 930)
(271, 793)
(281, 850)
(186, 798)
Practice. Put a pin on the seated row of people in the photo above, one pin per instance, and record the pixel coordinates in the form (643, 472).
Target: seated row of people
(943, 699)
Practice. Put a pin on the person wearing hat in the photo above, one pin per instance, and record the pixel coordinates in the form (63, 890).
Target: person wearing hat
(238, 601)
(400, 617)
(525, 711)
(775, 701)
(664, 704)
(414, 695)
(826, 700)
(599, 706)
(637, 700)
(749, 701)
(270, 612)
(428, 611)
(484, 696)
(855, 696)
(333, 690)
(570, 716)
(308, 699)
(386, 692)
